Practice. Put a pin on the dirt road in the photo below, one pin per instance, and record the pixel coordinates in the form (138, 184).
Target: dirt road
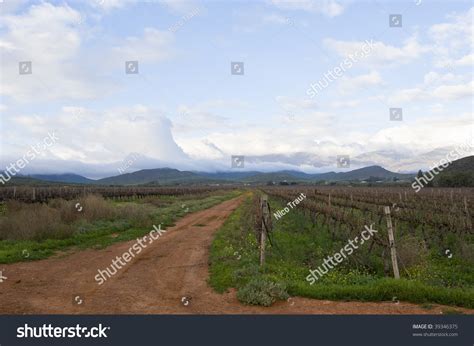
(168, 277)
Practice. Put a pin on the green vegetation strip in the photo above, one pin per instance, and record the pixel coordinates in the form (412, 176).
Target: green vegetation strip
(164, 210)
(299, 245)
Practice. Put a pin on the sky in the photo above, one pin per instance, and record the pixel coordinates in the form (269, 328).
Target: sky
(190, 107)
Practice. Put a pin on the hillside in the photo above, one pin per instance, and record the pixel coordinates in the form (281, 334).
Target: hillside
(63, 178)
(366, 173)
(273, 177)
(19, 180)
(161, 176)
(363, 174)
(459, 173)
(169, 176)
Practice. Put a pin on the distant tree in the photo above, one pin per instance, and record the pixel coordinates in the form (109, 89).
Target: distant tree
(372, 179)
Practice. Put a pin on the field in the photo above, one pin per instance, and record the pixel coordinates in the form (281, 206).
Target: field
(211, 250)
(433, 238)
(30, 231)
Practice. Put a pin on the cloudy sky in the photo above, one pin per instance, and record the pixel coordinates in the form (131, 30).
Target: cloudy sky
(185, 109)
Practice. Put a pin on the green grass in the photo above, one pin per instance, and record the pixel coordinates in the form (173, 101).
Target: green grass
(385, 289)
(102, 233)
(299, 244)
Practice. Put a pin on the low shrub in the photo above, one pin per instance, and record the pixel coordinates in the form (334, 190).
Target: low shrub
(261, 291)
(36, 222)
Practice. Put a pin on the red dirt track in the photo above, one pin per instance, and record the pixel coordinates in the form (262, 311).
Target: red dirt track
(155, 281)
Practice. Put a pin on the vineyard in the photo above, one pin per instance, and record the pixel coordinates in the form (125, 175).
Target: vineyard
(43, 221)
(432, 215)
(422, 250)
(433, 244)
(45, 193)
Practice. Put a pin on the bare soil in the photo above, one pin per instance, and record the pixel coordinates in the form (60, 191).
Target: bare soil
(168, 277)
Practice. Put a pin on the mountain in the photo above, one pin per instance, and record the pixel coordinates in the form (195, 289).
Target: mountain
(273, 177)
(169, 176)
(18, 180)
(464, 165)
(459, 173)
(233, 176)
(363, 174)
(161, 176)
(366, 173)
(63, 178)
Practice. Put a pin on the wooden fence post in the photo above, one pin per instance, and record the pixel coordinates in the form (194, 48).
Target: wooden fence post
(468, 216)
(265, 223)
(391, 238)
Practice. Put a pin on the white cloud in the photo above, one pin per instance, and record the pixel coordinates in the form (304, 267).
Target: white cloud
(345, 104)
(445, 87)
(454, 32)
(153, 46)
(177, 6)
(381, 53)
(464, 61)
(330, 8)
(370, 79)
(435, 77)
(110, 4)
(63, 67)
(182, 6)
(425, 133)
(10, 6)
(96, 136)
(295, 104)
(275, 18)
(453, 92)
(47, 36)
(453, 41)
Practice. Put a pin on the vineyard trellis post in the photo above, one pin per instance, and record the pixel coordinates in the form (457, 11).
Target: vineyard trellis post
(468, 216)
(265, 228)
(391, 239)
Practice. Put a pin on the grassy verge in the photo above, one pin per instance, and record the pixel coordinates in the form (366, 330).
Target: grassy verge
(124, 220)
(300, 244)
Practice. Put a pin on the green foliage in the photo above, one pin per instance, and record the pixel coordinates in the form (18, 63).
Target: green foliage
(128, 220)
(385, 289)
(262, 291)
(457, 179)
(301, 243)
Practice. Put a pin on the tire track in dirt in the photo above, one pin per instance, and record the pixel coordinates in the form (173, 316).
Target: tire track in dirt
(174, 266)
